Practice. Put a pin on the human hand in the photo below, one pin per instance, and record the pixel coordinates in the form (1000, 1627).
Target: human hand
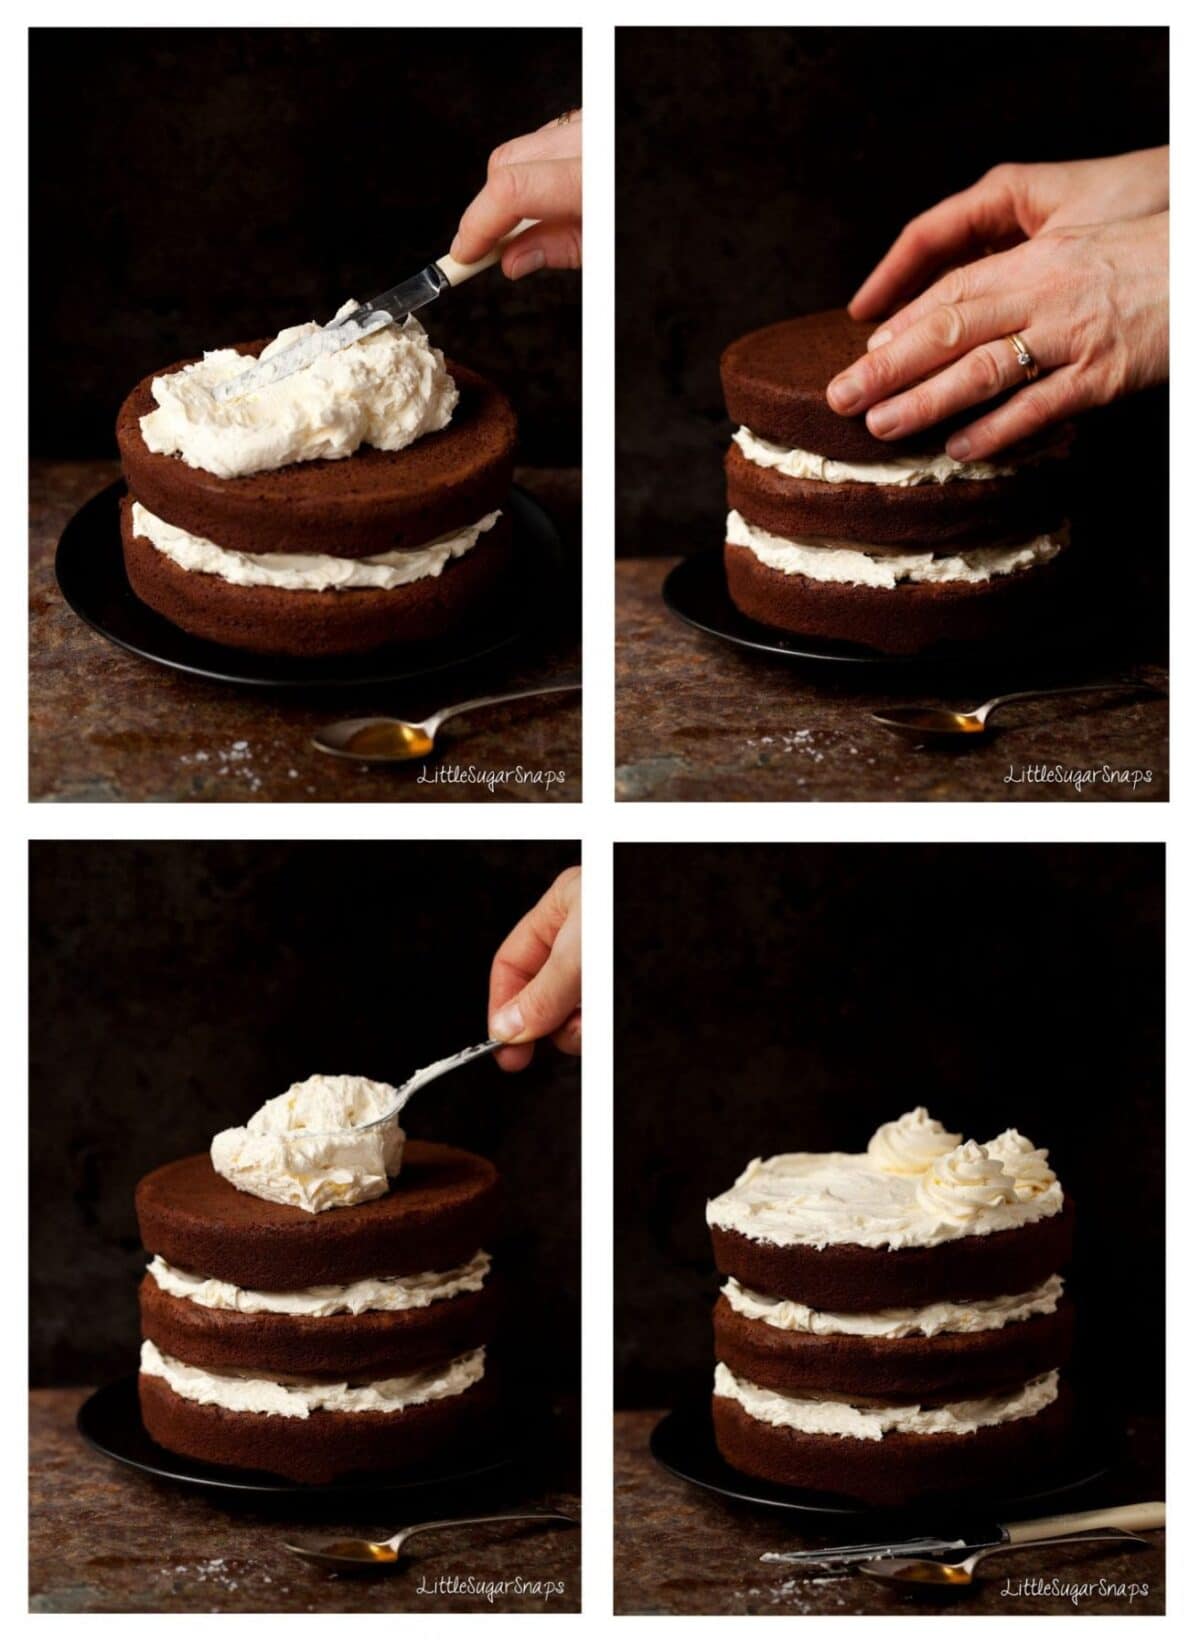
(539, 175)
(1010, 204)
(535, 987)
(1090, 303)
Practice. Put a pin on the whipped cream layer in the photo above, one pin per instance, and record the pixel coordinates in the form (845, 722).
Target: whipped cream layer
(279, 1397)
(883, 566)
(390, 1293)
(935, 468)
(846, 1418)
(894, 1195)
(933, 1320)
(385, 390)
(300, 1149)
(311, 572)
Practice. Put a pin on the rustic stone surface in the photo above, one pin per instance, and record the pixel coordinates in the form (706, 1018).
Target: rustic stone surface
(104, 1538)
(105, 725)
(679, 1550)
(701, 720)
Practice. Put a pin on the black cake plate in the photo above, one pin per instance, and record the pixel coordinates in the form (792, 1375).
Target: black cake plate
(90, 568)
(111, 1422)
(684, 1444)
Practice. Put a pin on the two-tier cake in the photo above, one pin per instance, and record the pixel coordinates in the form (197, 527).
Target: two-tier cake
(359, 502)
(319, 1300)
(894, 545)
(894, 1322)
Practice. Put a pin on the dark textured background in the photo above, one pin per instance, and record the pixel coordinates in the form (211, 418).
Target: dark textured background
(176, 986)
(197, 187)
(763, 172)
(774, 998)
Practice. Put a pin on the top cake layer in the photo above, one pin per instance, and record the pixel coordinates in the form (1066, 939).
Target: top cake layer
(917, 1185)
(351, 507)
(775, 381)
(439, 1213)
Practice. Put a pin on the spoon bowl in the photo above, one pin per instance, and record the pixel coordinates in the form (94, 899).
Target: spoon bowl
(382, 740)
(926, 723)
(355, 1554)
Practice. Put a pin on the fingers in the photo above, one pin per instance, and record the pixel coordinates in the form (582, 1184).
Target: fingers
(947, 332)
(542, 188)
(558, 139)
(1046, 401)
(535, 985)
(569, 1038)
(981, 215)
(545, 246)
(995, 274)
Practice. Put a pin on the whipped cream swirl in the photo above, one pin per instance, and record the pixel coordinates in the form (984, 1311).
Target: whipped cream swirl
(386, 390)
(963, 1183)
(1028, 1167)
(301, 1149)
(911, 1144)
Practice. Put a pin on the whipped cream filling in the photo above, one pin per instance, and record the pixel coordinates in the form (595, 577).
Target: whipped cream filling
(300, 1149)
(932, 1320)
(816, 1416)
(390, 570)
(824, 1200)
(390, 1293)
(385, 390)
(290, 1397)
(883, 566)
(920, 469)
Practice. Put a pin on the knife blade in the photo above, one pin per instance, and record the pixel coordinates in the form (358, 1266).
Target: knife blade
(391, 307)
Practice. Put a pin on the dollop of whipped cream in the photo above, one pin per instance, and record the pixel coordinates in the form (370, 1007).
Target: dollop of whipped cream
(1029, 1168)
(963, 1182)
(911, 1144)
(386, 390)
(301, 1149)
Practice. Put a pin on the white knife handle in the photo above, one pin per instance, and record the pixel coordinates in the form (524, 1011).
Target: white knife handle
(457, 272)
(1132, 1517)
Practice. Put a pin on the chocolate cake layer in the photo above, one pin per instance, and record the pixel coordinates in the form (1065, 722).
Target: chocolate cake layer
(860, 1279)
(912, 617)
(349, 507)
(440, 1211)
(959, 513)
(775, 381)
(952, 1365)
(324, 623)
(323, 1445)
(362, 1348)
(900, 1467)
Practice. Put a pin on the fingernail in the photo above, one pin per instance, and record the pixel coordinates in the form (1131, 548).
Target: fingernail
(958, 446)
(529, 262)
(882, 420)
(507, 1023)
(844, 393)
(878, 338)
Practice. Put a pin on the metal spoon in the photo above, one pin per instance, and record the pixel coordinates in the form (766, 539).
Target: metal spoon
(908, 1573)
(422, 1077)
(929, 724)
(380, 740)
(355, 1554)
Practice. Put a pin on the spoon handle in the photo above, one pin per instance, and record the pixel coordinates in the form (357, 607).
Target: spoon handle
(1127, 1517)
(1110, 1536)
(401, 1538)
(436, 721)
(985, 709)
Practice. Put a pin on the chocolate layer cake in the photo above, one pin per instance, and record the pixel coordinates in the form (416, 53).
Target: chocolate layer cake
(312, 1344)
(323, 556)
(889, 544)
(894, 1323)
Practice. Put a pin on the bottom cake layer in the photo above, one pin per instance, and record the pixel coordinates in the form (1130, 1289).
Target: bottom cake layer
(909, 618)
(897, 1467)
(314, 623)
(321, 1446)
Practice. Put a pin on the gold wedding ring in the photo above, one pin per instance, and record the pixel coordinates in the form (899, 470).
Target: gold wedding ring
(1024, 357)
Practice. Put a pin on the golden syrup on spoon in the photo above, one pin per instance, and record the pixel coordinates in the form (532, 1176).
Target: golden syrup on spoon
(396, 740)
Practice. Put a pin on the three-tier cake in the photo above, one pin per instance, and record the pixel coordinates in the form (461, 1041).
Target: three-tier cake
(894, 1322)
